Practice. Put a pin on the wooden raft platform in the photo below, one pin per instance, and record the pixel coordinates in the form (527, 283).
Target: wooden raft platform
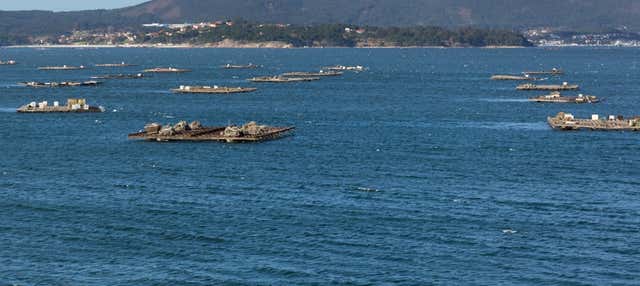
(61, 68)
(238, 67)
(119, 76)
(566, 122)
(281, 79)
(213, 90)
(556, 97)
(122, 64)
(60, 84)
(213, 134)
(312, 74)
(512, 77)
(73, 106)
(8, 63)
(166, 70)
(553, 71)
(58, 109)
(345, 68)
(551, 87)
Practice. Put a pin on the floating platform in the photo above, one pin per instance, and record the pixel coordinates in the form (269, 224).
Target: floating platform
(61, 68)
(346, 68)
(166, 70)
(194, 132)
(213, 89)
(119, 76)
(553, 71)
(8, 63)
(122, 64)
(556, 97)
(60, 84)
(282, 79)
(312, 74)
(567, 122)
(551, 87)
(237, 67)
(73, 106)
(512, 77)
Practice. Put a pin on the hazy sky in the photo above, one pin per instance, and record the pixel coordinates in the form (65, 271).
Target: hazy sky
(65, 5)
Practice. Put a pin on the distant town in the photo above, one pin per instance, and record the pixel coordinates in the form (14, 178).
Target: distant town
(279, 35)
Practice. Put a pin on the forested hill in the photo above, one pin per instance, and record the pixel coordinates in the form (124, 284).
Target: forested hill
(511, 14)
(504, 14)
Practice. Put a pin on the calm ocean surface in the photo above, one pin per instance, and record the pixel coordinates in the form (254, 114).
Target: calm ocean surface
(419, 171)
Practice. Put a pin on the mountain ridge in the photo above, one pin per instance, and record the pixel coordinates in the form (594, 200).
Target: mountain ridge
(504, 14)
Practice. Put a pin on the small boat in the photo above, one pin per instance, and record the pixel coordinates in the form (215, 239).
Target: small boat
(556, 97)
(119, 76)
(60, 84)
(213, 89)
(551, 87)
(61, 68)
(122, 64)
(73, 106)
(312, 74)
(195, 132)
(567, 122)
(282, 79)
(166, 70)
(230, 66)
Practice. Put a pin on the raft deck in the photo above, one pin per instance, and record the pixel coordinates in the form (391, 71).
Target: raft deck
(60, 84)
(550, 72)
(557, 98)
(166, 70)
(280, 79)
(312, 74)
(551, 87)
(512, 77)
(61, 68)
(231, 67)
(119, 76)
(566, 122)
(213, 90)
(58, 109)
(345, 68)
(115, 65)
(213, 134)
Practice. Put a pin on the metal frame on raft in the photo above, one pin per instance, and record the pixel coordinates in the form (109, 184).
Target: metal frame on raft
(213, 134)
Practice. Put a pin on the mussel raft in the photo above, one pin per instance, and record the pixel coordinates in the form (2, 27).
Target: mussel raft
(74, 105)
(123, 64)
(551, 87)
(231, 67)
(213, 89)
(282, 79)
(61, 68)
(119, 76)
(556, 97)
(166, 70)
(553, 71)
(195, 132)
(36, 84)
(312, 74)
(512, 77)
(346, 68)
(566, 121)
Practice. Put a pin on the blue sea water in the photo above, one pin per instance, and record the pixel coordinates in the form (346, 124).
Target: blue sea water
(419, 171)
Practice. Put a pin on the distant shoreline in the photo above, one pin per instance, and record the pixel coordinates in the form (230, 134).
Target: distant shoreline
(242, 46)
